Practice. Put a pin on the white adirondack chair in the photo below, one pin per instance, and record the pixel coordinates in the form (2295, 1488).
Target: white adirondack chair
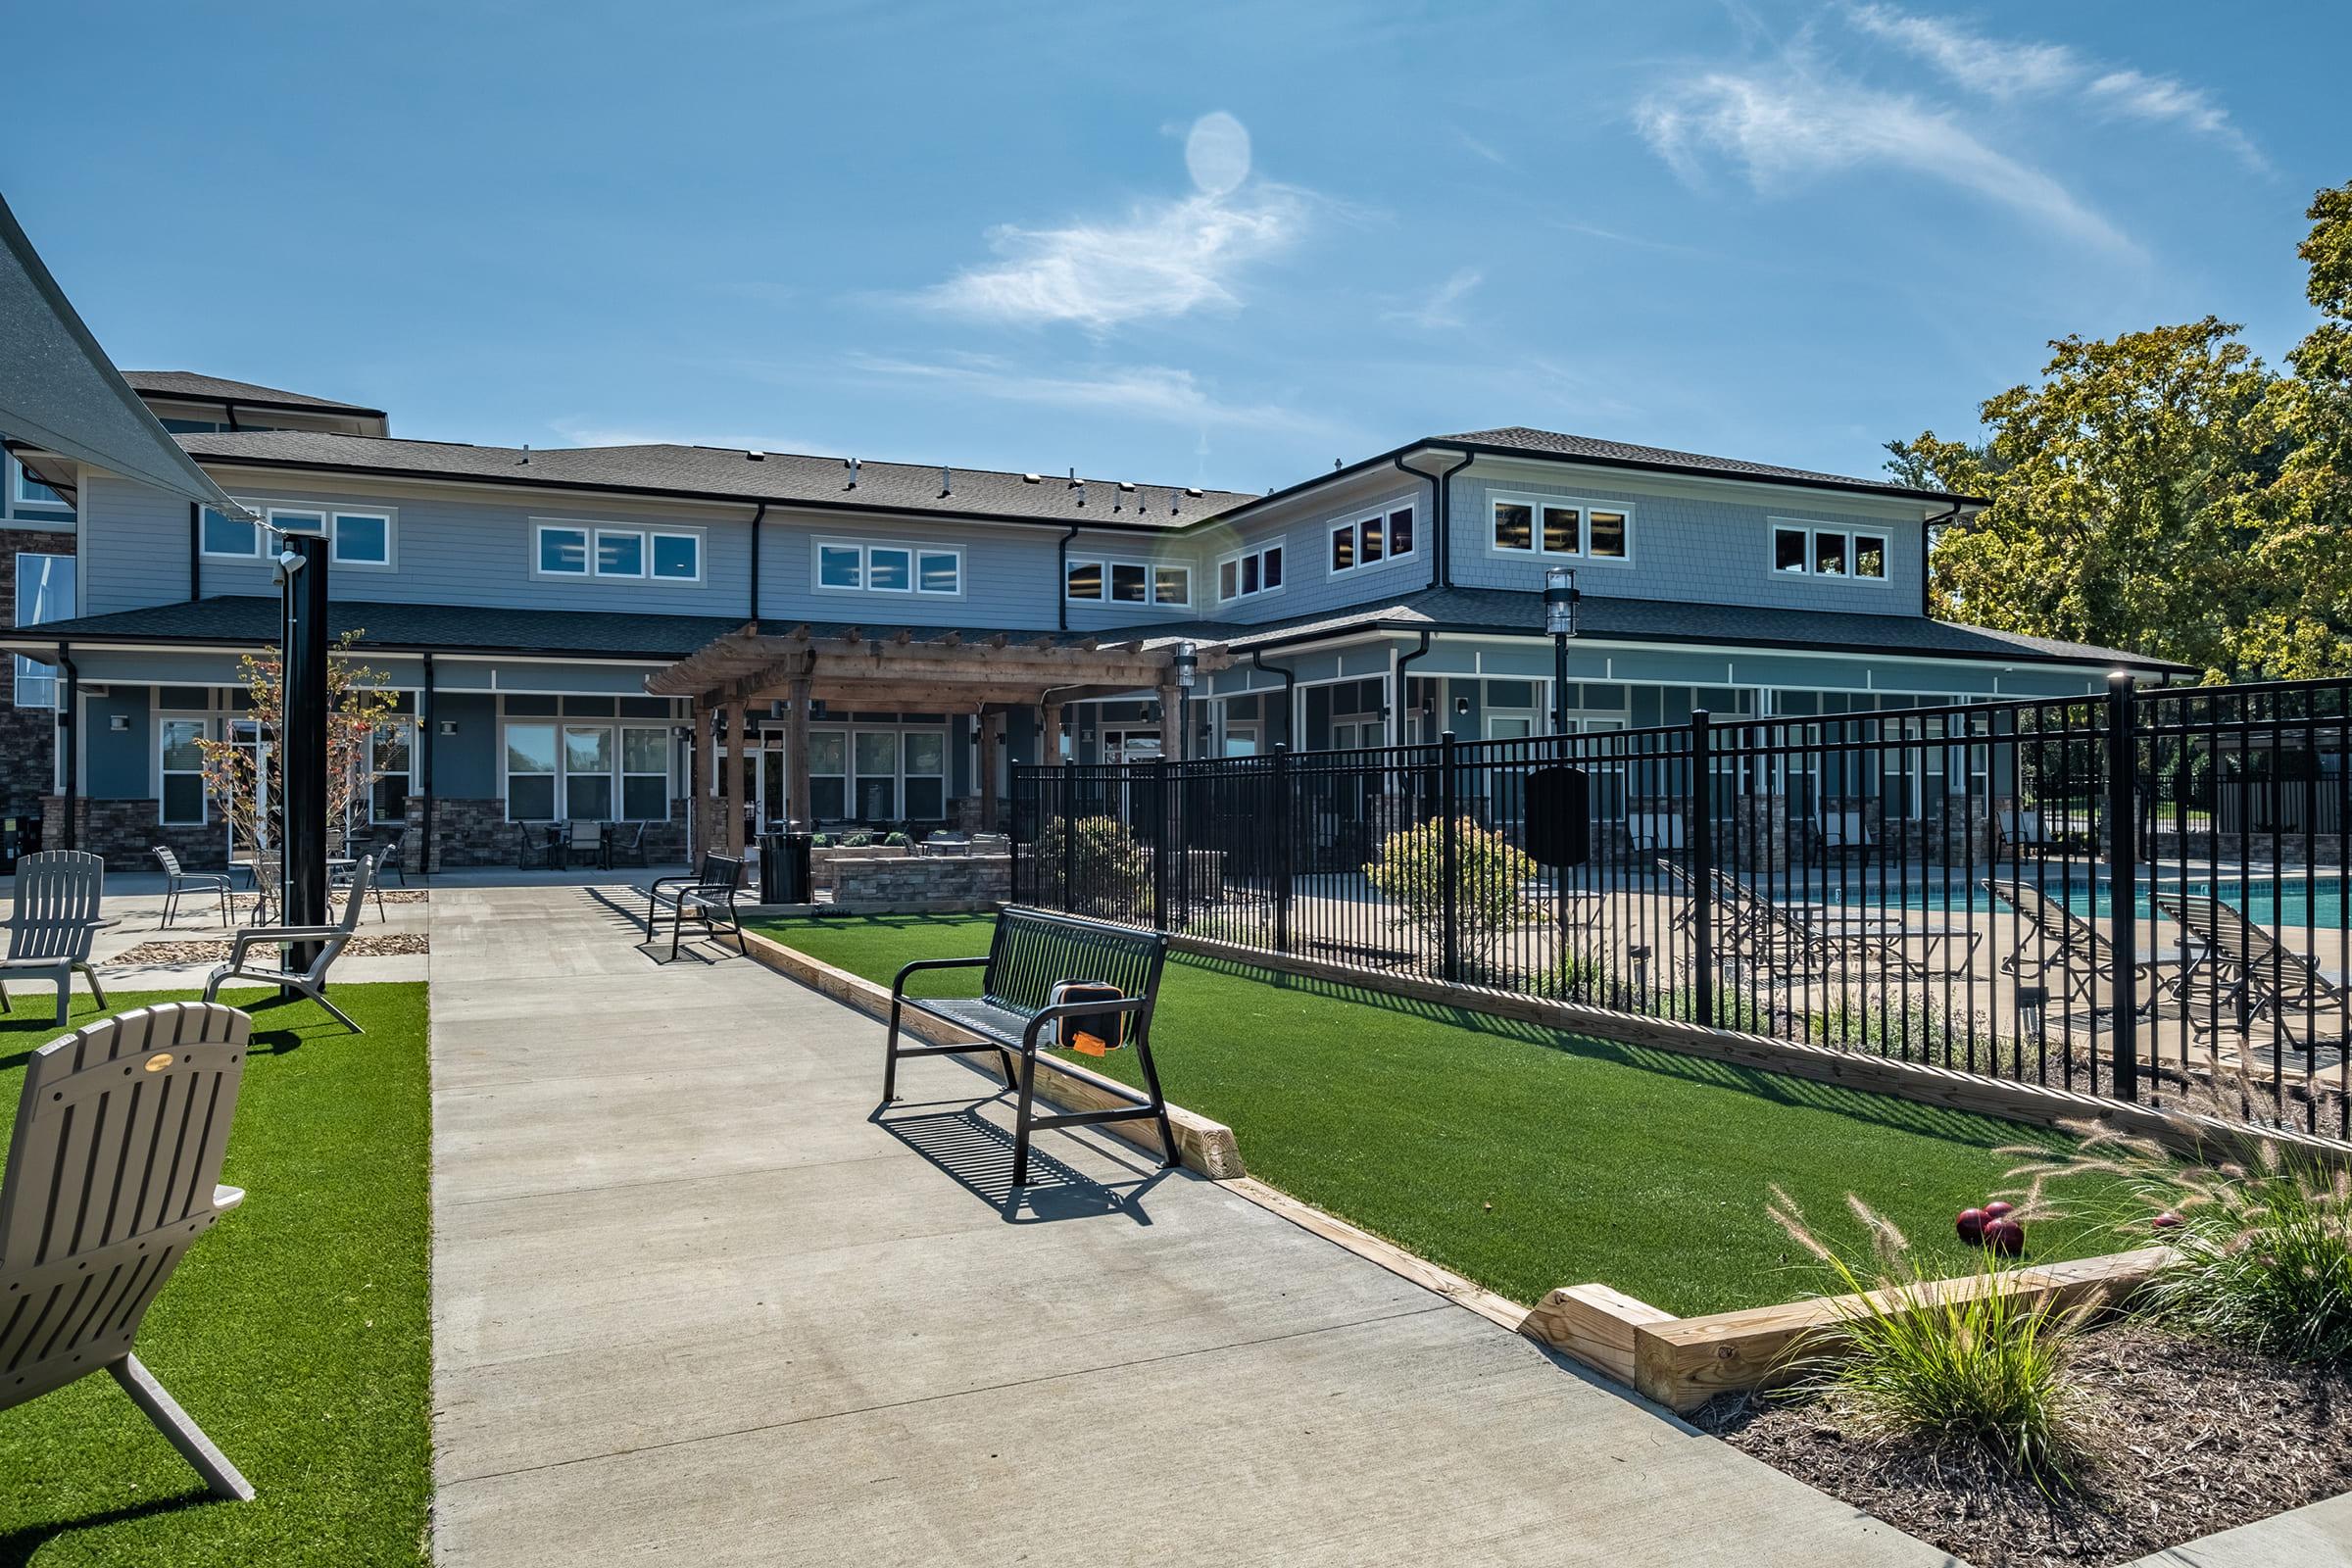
(112, 1173)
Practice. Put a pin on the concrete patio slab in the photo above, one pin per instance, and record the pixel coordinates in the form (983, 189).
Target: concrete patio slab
(692, 1304)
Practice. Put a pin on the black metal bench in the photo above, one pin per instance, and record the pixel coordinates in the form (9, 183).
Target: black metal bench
(707, 896)
(1032, 952)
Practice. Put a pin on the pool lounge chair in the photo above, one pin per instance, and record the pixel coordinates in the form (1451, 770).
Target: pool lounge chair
(2247, 973)
(2022, 832)
(2061, 952)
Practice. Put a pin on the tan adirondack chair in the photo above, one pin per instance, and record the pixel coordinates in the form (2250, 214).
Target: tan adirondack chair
(112, 1173)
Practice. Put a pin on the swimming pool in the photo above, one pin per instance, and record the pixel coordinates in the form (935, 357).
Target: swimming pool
(2290, 900)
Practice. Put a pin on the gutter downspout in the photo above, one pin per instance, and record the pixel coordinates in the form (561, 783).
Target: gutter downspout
(195, 551)
(1403, 660)
(230, 408)
(424, 817)
(1061, 587)
(757, 517)
(1927, 546)
(1440, 509)
(72, 741)
(1289, 692)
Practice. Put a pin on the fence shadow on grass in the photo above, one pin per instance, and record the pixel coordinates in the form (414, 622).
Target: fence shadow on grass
(978, 1155)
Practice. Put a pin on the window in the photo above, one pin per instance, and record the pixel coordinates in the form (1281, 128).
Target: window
(1553, 527)
(644, 774)
(619, 553)
(44, 592)
(876, 751)
(563, 552)
(530, 772)
(362, 539)
(236, 537)
(926, 776)
(1127, 582)
(180, 770)
(829, 775)
(1369, 540)
(1801, 550)
(1259, 571)
(603, 550)
(31, 495)
(588, 773)
(395, 747)
(889, 569)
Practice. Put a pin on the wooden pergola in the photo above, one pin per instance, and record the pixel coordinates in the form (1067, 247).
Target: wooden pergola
(914, 670)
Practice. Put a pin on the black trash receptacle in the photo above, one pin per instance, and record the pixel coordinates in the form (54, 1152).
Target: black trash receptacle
(784, 868)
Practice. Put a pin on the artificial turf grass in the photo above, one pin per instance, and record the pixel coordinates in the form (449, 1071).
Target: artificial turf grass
(297, 1333)
(1525, 1158)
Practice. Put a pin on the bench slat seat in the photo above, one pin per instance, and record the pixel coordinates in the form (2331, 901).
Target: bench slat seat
(1033, 952)
(708, 897)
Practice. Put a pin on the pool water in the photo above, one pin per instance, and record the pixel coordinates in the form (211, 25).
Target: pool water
(2289, 901)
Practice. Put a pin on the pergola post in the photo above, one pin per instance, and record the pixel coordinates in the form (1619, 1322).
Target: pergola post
(706, 743)
(731, 780)
(992, 727)
(1171, 722)
(797, 804)
(1049, 733)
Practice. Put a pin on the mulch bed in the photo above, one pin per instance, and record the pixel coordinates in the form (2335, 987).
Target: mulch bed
(394, 945)
(2189, 1438)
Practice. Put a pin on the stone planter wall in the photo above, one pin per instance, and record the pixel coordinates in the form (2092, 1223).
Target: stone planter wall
(925, 884)
(476, 832)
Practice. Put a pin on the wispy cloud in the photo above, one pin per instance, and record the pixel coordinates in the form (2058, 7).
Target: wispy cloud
(2011, 69)
(1442, 307)
(1482, 149)
(1792, 126)
(1163, 258)
(1159, 392)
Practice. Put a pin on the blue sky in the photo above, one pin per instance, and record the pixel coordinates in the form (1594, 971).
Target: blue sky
(1208, 243)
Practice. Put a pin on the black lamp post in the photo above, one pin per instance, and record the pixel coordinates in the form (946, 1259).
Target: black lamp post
(302, 738)
(1559, 618)
(1188, 666)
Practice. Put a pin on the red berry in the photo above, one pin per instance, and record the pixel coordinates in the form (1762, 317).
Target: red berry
(1998, 1210)
(1970, 1225)
(2005, 1236)
(2167, 1221)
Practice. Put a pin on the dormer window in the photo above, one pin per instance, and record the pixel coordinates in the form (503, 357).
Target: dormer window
(1560, 528)
(1386, 534)
(1249, 573)
(1817, 550)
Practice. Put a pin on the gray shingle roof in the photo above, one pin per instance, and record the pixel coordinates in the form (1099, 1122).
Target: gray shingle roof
(1592, 448)
(727, 473)
(215, 389)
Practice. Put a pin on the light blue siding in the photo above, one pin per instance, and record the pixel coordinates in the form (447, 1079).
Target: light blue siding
(1304, 528)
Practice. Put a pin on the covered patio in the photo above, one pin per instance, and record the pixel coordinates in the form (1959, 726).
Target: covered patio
(909, 669)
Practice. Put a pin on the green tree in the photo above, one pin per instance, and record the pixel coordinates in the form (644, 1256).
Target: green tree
(1489, 898)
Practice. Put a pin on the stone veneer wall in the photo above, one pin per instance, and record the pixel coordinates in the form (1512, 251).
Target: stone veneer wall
(476, 832)
(925, 884)
(125, 833)
(26, 734)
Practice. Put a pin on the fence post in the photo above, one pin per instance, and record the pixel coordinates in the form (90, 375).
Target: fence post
(1284, 813)
(2123, 878)
(1702, 870)
(1069, 838)
(1449, 863)
(1163, 816)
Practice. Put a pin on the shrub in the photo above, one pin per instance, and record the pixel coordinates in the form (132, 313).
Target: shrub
(1963, 1366)
(1249, 928)
(1109, 871)
(1491, 876)
(820, 841)
(857, 840)
(2263, 1258)
(896, 841)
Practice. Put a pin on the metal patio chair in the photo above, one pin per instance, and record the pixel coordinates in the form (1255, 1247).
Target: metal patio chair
(2252, 976)
(56, 918)
(2055, 944)
(331, 940)
(391, 857)
(619, 851)
(112, 1172)
(177, 882)
(581, 837)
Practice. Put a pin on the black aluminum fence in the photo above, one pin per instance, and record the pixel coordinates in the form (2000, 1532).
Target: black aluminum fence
(2140, 895)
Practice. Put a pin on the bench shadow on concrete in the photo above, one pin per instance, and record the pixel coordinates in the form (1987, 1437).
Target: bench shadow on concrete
(977, 1154)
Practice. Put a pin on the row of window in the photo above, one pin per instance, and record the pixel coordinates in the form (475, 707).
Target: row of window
(1371, 539)
(846, 566)
(179, 766)
(1574, 529)
(1128, 582)
(355, 538)
(1802, 550)
(574, 771)
(606, 550)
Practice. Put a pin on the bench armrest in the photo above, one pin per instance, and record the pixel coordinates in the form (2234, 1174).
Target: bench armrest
(277, 936)
(897, 987)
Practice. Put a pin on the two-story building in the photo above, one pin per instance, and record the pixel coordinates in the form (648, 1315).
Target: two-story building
(518, 600)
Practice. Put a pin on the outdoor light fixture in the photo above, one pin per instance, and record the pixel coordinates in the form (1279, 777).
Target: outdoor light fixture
(449, 726)
(1461, 706)
(1188, 661)
(118, 723)
(289, 561)
(1559, 620)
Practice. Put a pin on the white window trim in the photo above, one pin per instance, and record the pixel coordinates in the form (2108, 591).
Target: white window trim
(1217, 572)
(1812, 528)
(160, 718)
(595, 554)
(619, 775)
(647, 533)
(334, 537)
(255, 554)
(403, 721)
(866, 547)
(1583, 556)
(1356, 521)
(22, 504)
(1152, 571)
(19, 664)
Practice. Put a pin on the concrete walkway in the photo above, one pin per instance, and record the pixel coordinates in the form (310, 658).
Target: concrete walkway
(692, 1306)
